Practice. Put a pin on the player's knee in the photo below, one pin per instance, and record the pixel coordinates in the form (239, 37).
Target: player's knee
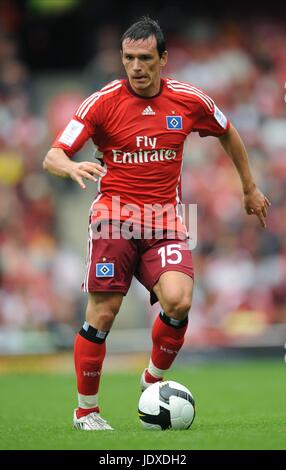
(101, 319)
(102, 309)
(178, 306)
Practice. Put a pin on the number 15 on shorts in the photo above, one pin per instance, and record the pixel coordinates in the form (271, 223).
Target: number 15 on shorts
(170, 254)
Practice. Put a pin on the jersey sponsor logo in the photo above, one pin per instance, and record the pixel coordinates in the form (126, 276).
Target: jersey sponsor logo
(174, 122)
(220, 117)
(143, 156)
(71, 132)
(148, 111)
(104, 269)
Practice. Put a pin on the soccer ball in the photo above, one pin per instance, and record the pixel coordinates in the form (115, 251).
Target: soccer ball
(166, 405)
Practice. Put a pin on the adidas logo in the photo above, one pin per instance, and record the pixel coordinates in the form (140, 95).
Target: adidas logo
(148, 111)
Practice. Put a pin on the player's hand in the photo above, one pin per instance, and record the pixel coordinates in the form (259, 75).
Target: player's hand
(256, 203)
(86, 170)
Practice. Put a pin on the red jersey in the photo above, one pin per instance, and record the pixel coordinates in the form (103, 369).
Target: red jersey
(141, 139)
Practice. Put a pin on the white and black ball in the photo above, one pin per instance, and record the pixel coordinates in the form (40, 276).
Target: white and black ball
(166, 405)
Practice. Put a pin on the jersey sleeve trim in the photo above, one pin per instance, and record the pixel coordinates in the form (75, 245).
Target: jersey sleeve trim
(64, 148)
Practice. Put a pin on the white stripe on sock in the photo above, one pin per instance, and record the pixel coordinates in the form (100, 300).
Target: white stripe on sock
(87, 401)
(158, 373)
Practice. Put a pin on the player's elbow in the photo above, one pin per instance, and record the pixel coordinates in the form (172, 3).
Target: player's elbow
(48, 160)
(45, 162)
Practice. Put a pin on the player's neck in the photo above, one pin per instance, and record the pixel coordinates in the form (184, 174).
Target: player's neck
(150, 92)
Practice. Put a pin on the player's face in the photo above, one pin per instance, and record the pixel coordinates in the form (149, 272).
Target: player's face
(143, 65)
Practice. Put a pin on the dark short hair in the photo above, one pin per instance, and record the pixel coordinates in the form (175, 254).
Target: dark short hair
(143, 29)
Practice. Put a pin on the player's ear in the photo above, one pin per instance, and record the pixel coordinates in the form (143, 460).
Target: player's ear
(164, 59)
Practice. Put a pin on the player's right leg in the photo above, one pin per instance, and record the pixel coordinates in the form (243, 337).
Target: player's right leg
(110, 266)
(89, 354)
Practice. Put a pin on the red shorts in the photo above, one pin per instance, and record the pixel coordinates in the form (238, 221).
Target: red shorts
(111, 263)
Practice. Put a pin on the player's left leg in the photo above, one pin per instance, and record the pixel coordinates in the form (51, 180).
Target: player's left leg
(174, 291)
(166, 270)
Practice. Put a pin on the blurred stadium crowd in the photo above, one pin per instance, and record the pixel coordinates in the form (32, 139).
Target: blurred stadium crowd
(240, 285)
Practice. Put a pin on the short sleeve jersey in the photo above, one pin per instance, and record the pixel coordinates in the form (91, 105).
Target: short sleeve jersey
(141, 140)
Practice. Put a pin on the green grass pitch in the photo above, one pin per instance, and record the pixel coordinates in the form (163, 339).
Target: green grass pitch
(239, 405)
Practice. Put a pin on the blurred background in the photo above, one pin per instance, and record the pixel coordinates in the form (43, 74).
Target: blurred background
(53, 53)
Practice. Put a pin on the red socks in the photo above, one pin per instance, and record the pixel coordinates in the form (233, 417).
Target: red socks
(151, 379)
(80, 412)
(89, 353)
(168, 338)
(88, 359)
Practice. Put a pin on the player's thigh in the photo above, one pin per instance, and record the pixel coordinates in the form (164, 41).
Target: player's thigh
(174, 291)
(165, 256)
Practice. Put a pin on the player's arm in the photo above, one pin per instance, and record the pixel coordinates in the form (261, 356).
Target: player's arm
(78, 131)
(254, 200)
(59, 163)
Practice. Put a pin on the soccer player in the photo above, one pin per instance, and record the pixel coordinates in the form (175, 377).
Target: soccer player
(139, 125)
